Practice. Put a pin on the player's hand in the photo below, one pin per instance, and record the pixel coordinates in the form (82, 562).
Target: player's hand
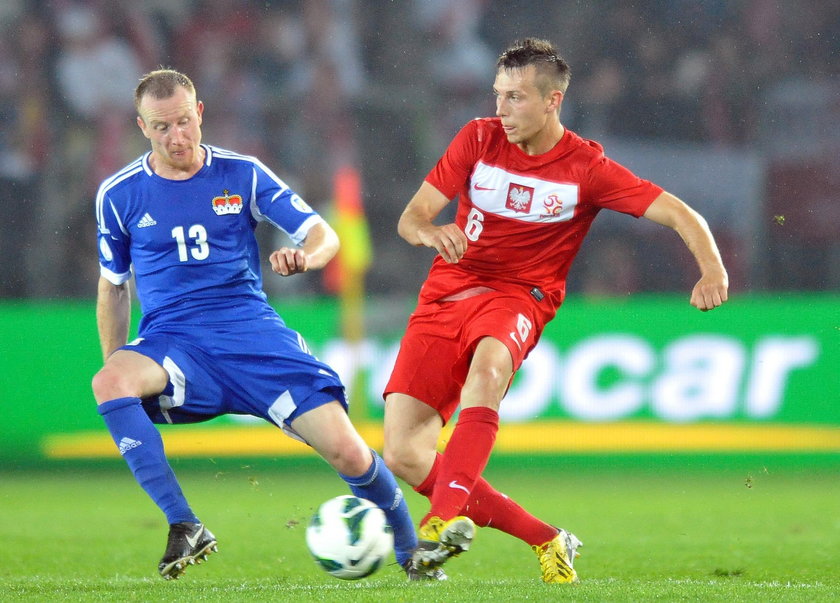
(710, 292)
(287, 261)
(449, 241)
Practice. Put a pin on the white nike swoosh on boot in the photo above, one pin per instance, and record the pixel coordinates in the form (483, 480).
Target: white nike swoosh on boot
(454, 484)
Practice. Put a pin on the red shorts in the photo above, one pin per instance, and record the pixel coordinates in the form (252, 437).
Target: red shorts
(441, 337)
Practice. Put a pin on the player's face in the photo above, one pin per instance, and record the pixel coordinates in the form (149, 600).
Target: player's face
(173, 125)
(528, 117)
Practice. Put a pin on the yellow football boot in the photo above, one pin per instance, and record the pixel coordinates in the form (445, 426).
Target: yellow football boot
(439, 540)
(556, 557)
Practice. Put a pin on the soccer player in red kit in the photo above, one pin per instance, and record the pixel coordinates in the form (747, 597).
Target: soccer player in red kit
(528, 191)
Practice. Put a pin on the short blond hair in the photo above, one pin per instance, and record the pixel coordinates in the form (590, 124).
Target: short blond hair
(161, 83)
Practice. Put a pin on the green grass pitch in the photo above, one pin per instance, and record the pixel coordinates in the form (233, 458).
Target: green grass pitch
(693, 528)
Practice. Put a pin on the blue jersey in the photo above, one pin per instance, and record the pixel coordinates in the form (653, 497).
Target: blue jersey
(190, 243)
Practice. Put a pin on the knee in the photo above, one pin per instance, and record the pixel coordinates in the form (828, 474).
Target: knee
(401, 460)
(392, 459)
(108, 384)
(494, 377)
(351, 458)
(485, 386)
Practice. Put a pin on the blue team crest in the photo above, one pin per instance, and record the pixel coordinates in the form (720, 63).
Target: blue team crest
(227, 204)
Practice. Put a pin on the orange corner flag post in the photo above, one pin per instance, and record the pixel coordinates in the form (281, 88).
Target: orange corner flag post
(346, 275)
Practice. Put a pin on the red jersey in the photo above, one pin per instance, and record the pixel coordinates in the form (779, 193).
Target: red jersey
(525, 216)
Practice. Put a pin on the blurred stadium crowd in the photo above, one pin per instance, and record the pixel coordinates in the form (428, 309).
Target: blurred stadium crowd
(739, 95)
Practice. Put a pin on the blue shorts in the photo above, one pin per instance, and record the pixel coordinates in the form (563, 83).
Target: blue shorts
(259, 367)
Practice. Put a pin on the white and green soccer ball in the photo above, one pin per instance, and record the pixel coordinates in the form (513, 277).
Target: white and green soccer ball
(349, 537)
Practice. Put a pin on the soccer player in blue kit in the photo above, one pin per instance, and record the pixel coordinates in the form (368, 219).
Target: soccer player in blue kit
(181, 218)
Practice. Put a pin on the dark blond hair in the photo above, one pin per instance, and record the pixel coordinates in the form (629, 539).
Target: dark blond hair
(161, 83)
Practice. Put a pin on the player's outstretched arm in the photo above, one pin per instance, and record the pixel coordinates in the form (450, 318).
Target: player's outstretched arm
(319, 247)
(417, 227)
(113, 309)
(712, 288)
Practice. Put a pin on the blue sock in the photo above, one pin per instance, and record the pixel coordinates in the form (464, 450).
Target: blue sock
(141, 446)
(379, 486)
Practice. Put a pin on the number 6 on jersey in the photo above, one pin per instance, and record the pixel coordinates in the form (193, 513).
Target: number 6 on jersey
(523, 330)
(475, 224)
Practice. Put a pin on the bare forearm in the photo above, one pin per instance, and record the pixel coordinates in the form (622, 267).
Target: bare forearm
(694, 231)
(410, 225)
(417, 225)
(113, 311)
(319, 247)
(417, 220)
(712, 288)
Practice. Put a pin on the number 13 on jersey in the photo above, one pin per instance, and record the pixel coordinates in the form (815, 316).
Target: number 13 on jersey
(199, 248)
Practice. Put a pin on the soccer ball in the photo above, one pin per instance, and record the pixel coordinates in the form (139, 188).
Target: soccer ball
(349, 537)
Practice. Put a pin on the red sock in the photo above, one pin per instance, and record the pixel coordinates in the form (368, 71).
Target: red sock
(488, 507)
(464, 459)
(427, 486)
